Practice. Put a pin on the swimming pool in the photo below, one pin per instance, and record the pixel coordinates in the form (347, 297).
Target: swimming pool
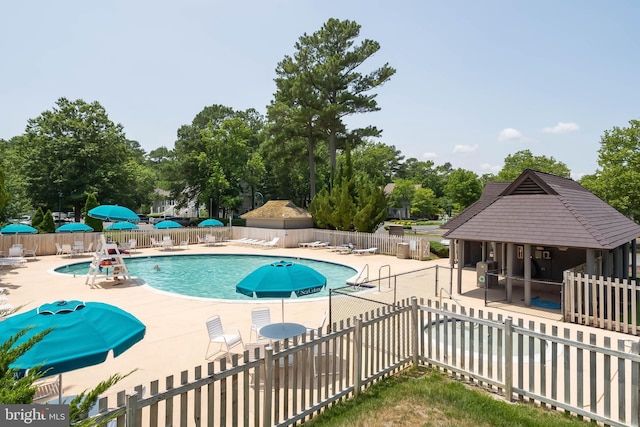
(212, 276)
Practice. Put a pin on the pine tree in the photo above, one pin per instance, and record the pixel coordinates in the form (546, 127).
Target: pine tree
(91, 203)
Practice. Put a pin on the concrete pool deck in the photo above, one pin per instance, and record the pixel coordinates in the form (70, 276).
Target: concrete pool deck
(176, 338)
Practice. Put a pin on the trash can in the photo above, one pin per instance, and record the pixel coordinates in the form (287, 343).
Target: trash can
(403, 251)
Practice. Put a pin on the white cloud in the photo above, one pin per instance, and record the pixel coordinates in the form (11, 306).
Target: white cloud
(561, 128)
(489, 168)
(509, 134)
(459, 148)
(429, 155)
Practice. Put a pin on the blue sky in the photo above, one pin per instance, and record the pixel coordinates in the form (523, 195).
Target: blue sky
(475, 82)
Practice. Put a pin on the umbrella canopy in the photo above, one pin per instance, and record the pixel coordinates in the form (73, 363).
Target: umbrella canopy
(113, 213)
(18, 229)
(163, 225)
(122, 225)
(73, 227)
(83, 334)
(210, 223)
(281, 279)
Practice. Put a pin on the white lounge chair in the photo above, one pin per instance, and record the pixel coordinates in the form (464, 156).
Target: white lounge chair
(270, 244)
(307, 244)
(319, 245)
(260, 316)
(365, 251)
(226, 339)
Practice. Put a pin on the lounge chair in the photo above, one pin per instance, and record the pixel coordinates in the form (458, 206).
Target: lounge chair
(201, 240)
(133, 245)
(58, 249)
(12, 261)
(227, 339)
(308, 244)
(365, 251)
(67, 250)
(270, 244)
(319, 245)
(260, 316)
(155, 243)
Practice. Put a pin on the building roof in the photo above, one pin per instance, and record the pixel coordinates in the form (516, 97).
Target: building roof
(277, 209)
(543, 209)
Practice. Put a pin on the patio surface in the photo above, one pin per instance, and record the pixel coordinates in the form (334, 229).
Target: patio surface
(176, 337)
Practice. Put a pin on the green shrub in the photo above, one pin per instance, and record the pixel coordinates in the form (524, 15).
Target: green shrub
(439, 249)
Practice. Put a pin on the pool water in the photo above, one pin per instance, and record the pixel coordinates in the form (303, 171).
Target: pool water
(212, 276)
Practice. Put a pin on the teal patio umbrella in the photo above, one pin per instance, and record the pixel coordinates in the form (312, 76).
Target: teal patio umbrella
(210, 223)
(167, 224)
(83, 335)
(113, 213)
(122, 225)
(73, 227)
(281, 279)
(18, 229)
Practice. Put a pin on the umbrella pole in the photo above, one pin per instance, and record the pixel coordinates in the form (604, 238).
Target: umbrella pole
(282, 310)
(59, 389)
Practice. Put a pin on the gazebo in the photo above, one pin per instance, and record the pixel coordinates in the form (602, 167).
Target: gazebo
(538, 226)
(279, 214)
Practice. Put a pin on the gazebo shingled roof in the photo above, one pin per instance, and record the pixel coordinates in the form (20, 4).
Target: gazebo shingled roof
(543, 209)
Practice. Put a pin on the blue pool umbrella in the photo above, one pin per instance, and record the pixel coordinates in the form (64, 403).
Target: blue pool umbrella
(83, 335)
(113, 213)
(122, 225)
(73, 227)
(163, 225)
(18, 229)
(281, 279)
(210, 223)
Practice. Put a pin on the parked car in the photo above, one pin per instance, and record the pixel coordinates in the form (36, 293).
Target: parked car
(144, 218)
(185, 222)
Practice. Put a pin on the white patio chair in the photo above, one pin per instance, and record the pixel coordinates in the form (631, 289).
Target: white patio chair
(225, 339)
(30, 252)
(67, 250)
(328, 349)
(15, 252)
(133, 245)
(58, 249)
(260, 316)
(314, 327)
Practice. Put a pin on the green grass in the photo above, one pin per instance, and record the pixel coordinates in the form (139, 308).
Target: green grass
(421, 397)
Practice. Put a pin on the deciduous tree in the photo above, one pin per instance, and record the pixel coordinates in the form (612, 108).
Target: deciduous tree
(463, 187)
(515, 164)
(618, 174)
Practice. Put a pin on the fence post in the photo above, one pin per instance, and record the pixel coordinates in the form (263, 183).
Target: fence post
(132, 408)
(416, 328)
(437, 284)
(357, 356)
(508, 358)
(635, 390)
(268, 388)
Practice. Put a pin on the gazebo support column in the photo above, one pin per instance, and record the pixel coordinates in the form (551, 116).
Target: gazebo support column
(634, 260)
(527, 275)
(460, 264)
(510, 256)
(591, 262)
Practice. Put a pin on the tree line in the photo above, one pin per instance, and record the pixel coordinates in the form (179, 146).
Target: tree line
(301, 150)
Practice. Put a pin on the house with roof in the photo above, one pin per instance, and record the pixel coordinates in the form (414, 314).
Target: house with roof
(538, 226)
